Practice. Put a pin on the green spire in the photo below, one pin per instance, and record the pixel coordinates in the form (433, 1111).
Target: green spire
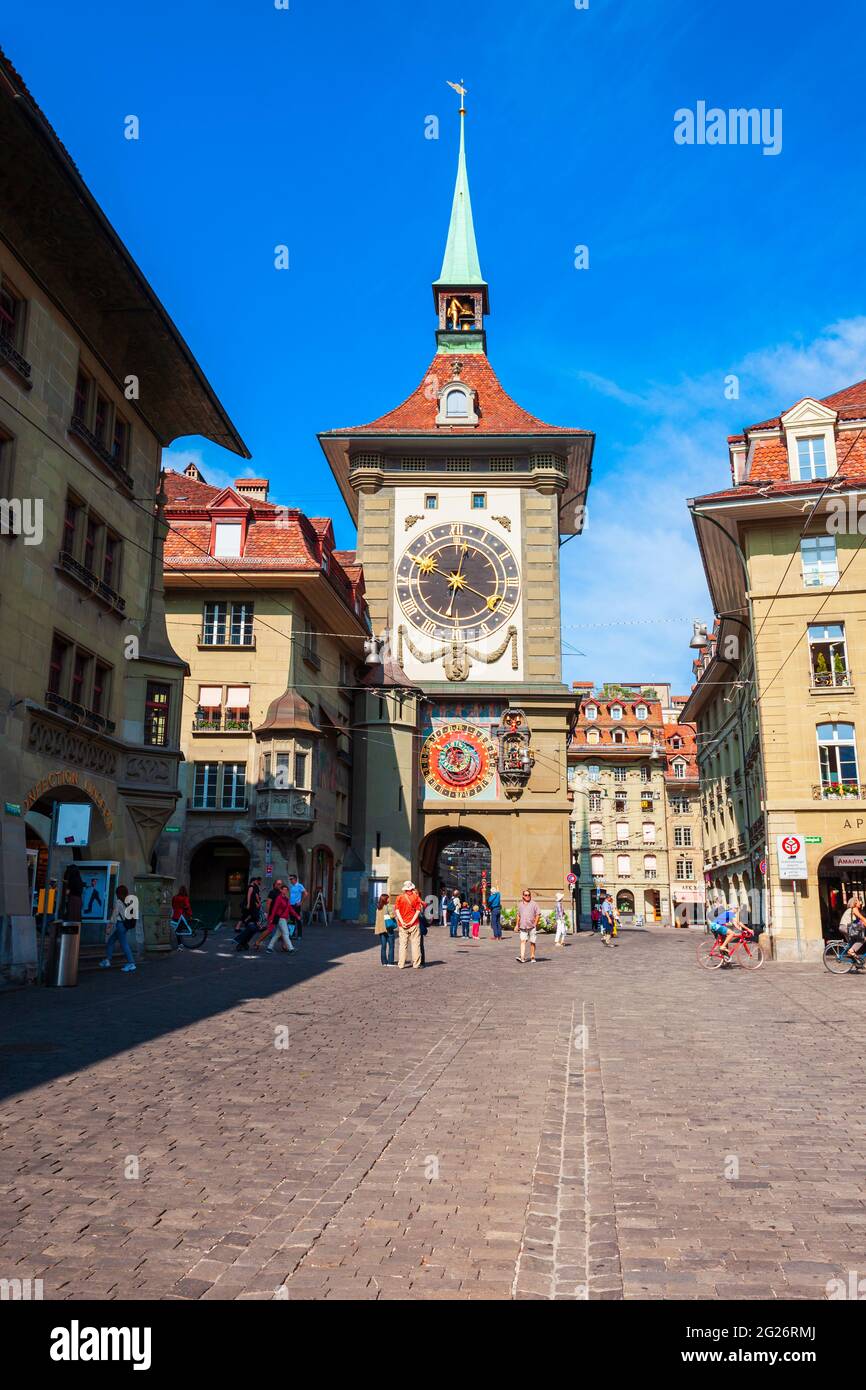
(461, 265)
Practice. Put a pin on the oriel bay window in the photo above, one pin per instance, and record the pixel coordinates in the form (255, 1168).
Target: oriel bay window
(156, 710)
(837, 755)
(76, 677)
(828, 656)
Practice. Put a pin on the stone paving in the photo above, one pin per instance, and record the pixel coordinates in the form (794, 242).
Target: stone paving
(604, 1124)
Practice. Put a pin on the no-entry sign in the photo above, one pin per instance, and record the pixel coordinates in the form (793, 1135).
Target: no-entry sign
(791, 854)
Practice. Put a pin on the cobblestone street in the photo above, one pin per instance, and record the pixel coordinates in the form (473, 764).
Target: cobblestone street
(474, 1130)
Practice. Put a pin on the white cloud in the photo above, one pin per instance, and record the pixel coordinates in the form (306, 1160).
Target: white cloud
(179, 457)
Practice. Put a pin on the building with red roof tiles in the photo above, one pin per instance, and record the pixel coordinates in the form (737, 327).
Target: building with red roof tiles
(461, 496)
(636, 824)
(272, 621)
(95, 381)
(781, 718)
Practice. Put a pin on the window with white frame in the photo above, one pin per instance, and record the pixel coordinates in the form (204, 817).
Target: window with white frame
(645, 773)
(456, 403)
(234, 788)
(811, 458)
(618, 736)
(679, 768)
(649, 832)
(685, 869)
(595, 801)
(819, 561)
(837, 755)
(650, 865)
(644, 736)
(828, 656)
(619, 774)
(227, 539)
(593, 772)
(641, 712)
(592, 736)
(616, 711)
(622, 831)
(597, 865)
(596, 832)
(623, 865)
(204, 792)
(683, 836)
(591, 712)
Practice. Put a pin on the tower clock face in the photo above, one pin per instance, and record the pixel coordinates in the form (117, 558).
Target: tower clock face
(458, 580)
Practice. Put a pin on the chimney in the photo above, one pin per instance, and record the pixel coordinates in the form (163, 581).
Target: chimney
(256, 489)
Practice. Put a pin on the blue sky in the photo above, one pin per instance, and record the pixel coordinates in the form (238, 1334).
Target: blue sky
(306, 127)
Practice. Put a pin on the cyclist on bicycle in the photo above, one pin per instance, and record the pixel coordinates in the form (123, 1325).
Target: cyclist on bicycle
(856, 933)
(181, 909)
(729, 930)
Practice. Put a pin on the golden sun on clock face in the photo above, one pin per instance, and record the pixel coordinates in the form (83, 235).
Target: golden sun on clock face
(458, 579)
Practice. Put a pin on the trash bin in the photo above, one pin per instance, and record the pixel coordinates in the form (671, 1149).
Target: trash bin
(65, 965)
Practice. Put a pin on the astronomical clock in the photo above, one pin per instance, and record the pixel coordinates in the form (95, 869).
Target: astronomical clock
(457, 587)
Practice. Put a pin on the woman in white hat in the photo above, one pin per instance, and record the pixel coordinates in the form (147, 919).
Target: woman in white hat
(561, 917)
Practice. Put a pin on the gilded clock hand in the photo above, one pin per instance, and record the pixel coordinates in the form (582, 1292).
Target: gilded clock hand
(457, 581)
(491, 600)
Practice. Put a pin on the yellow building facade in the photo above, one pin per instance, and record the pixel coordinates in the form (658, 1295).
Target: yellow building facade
(780, 710)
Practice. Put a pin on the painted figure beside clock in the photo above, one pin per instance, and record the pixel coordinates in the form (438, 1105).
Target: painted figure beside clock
(457, 584)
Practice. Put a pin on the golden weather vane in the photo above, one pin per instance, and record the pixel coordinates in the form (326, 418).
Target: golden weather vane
(461, 91)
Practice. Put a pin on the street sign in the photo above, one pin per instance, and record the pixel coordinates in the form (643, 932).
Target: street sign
(763, 866)
(571, 879)
(791, 854)
(814, 839)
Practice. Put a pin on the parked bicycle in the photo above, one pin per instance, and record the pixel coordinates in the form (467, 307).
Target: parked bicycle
(193, 933)
(745, 952)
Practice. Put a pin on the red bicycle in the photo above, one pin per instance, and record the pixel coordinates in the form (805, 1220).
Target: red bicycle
(749, 957)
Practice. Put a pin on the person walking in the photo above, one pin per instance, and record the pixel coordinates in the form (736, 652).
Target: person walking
(278, 921)
(386, 929)
(278, 888)
(494, 902)
(297, 896)
(526, 924)
(125, 916)
(408, 913)
(456, 905)
(252, 914)
(561, 919)
(608, 922)
(465, 918)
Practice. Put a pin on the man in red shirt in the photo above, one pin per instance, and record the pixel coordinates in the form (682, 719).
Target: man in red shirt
(408, 912)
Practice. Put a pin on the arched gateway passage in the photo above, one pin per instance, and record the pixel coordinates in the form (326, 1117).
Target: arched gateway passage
(218, 873)
(840, 873)
(456, 858)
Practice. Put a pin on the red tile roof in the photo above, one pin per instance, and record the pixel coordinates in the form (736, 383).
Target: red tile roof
(850, 403)
(280, 538)
(629, 724)
(689, 750)
(497, 412)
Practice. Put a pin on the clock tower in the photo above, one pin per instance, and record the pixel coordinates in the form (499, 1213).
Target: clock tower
(461, 499)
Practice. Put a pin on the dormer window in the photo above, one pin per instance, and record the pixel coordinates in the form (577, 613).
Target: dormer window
(227, 539)
(456, 404)
(616, 711)
(811, 458)
(810, 437)
(618, 736)
(641, 711)
(591, 712)
(679, 769)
